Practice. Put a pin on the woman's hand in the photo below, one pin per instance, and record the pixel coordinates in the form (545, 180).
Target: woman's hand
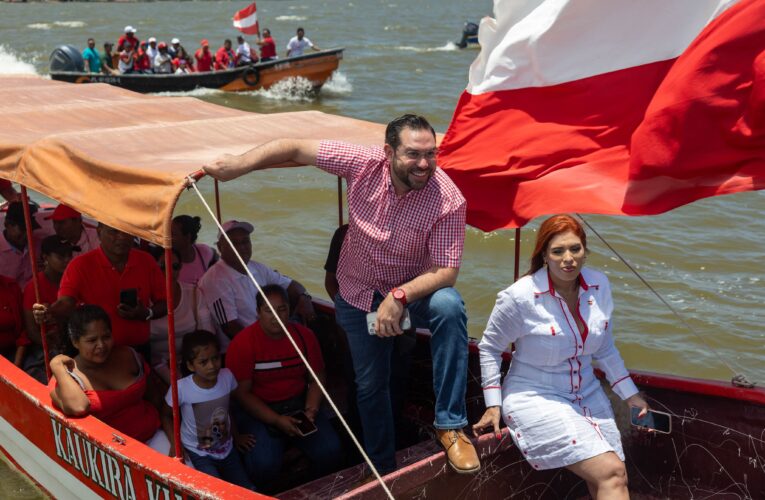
(41, 313)
(490, 419)
(62, 361)
(637, 401)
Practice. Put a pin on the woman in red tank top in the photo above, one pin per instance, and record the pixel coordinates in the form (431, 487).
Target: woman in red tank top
(104, 380)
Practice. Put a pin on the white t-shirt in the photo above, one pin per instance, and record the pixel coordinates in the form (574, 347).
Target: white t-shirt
(205, 422)
(185, 322)
(297, 47)
(243, 52)
(230, 295)
(163, 63)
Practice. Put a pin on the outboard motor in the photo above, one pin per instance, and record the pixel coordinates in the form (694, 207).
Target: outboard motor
(469, 35)
(67, 58)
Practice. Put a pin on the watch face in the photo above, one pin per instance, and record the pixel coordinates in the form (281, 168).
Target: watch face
(398, 294)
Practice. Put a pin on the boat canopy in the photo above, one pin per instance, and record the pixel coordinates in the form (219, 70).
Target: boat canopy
(123, 158)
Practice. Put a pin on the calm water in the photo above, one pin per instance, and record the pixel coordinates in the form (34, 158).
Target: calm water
(705, 258)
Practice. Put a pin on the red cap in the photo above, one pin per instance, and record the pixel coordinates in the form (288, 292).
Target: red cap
(205, 42)
(162, 45)
(62, 212)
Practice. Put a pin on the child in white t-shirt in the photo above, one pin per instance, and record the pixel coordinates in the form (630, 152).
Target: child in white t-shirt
(207, 433)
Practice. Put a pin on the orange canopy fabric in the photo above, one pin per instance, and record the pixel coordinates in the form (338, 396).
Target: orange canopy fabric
(123, 158)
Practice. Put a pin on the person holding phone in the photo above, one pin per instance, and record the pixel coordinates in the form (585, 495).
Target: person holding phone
(559, 317)
(280, 404)
(126, 282)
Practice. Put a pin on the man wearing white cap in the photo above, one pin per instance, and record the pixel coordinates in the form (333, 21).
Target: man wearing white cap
(152, 49)
(179, 53)
(230, 294)
(130, 37)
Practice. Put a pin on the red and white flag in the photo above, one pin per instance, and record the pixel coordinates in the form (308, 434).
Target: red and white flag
(246, 20)
(616, 107)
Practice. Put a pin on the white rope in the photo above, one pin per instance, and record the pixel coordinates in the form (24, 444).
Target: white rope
(193, 184)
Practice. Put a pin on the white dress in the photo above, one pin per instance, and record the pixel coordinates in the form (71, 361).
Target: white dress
(551, 400)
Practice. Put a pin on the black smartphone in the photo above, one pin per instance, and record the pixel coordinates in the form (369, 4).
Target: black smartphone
(129, 297)
(305, 426)
(656, 420)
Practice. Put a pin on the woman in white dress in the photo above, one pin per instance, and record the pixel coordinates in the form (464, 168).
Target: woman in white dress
(559, 317)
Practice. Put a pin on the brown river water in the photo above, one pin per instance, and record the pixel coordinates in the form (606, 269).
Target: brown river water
(705, 259)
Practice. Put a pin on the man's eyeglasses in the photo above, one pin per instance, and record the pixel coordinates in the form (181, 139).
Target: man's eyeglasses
(414, 155)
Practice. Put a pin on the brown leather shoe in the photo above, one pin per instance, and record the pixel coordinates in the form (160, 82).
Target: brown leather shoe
(460, 452)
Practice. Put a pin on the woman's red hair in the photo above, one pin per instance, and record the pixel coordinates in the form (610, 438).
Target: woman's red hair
(552, 227)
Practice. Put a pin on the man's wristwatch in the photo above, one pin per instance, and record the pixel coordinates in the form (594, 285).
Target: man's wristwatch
(399, 294)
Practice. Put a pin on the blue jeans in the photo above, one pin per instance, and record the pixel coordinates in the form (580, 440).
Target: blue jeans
(443, 312)
(264, 461)
(229, 468)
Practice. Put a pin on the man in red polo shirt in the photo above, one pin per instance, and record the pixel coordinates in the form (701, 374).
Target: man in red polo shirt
(204, 57)
(402, 253)
(107, 275)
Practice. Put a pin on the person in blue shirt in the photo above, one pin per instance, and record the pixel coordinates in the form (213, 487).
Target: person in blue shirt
(92, 57)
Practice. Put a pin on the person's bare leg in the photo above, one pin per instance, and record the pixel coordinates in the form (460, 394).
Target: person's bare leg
(605, 475)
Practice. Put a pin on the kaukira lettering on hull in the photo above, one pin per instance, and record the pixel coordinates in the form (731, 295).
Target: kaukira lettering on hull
(102, 468)
(161, 491)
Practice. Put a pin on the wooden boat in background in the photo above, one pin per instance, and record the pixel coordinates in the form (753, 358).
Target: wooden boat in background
(316, 67)
(716, 449)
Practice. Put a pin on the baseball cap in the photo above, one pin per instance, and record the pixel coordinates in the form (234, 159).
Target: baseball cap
(235, 224)
(54, 244)
(152, 39)
(15, 214)
(129, 29)
(204, 42)
(162, 45)
(63, 212)
(175, 40)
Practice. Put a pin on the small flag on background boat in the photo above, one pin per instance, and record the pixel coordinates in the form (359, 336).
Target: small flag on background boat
(246, 20)
(617, 107)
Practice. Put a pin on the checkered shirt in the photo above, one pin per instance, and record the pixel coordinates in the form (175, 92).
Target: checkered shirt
(391, 240)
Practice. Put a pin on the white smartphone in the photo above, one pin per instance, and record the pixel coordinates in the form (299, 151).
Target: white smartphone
(406, 322)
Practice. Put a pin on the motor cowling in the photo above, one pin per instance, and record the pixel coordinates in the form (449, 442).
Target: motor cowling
(468, 31)
(67, 58)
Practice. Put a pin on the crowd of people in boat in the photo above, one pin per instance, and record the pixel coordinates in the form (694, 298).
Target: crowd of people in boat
(151, 56)
(398, 258)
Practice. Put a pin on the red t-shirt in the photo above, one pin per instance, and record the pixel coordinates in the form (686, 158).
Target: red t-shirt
(91, 279)
(142, 61)
(268, 49)
(276, 371)
(134, 42)
(204, 60)
(224, 59)
(11, 322)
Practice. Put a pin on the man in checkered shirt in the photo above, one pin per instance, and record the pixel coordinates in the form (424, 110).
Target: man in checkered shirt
(403, 250)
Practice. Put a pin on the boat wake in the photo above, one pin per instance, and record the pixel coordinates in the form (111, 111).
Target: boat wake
(295, 88)
(198, 92)
(58, 24)
(338, 83)
(449, 47)
(11, 64)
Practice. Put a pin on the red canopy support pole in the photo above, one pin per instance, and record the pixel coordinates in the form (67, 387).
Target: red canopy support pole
(516, 270)
(33, 263)
(217, 202)
(171, 350)
(339, 201)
